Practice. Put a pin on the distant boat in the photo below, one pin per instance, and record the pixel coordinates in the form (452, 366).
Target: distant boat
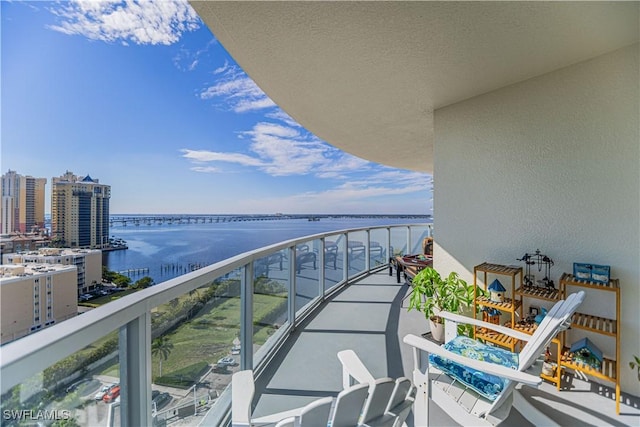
(314, 218)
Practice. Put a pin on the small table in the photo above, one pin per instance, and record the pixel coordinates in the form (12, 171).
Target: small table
(410, 265)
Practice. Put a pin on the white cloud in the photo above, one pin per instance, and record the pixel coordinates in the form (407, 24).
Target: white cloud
(136, 21)
(286, 151)
(281, 150)
(205, 169)
(237, 90)
(203, 156)
(349, 198)
(280, 115)
(222, 69)
(187, 59)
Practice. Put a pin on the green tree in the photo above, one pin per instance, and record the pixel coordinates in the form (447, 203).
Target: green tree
(69, 422)
(122, 281)
(143, 283)
(161, 347)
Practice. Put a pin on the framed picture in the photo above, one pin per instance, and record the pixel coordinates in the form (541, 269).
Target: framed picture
(592, 272)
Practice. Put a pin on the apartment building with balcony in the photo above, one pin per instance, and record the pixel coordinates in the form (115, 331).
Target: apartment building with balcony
(88, 263)
(23, 201)
(80, 211)
(35, 296)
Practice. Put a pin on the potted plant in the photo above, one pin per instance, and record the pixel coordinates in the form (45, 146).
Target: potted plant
(432, 294)
(635, 364)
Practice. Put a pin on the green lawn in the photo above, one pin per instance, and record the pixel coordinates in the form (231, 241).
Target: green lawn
(210, 334)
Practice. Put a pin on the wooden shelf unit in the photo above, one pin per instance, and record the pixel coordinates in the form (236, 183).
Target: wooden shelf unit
(610, 369)
(509, 305)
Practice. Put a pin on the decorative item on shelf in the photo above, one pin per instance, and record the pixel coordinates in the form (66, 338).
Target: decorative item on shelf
(548, 368)
(538, 319)
(491, 315)
(592, 272)
(541, 261)
(529, 280)
(533, 313)
(586, 352)
(497, 291)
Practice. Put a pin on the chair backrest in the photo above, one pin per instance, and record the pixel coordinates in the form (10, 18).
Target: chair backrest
(427, 246)
(349, 406)
(402, 391)
(401, 401)
(316, 413)
(380, 392)
(556, 320)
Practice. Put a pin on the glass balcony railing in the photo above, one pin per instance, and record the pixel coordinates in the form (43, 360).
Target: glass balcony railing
(167, 353)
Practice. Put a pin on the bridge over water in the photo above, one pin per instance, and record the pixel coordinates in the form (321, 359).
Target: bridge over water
(125, 220)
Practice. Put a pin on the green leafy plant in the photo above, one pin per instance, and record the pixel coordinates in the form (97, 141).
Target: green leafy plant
(635, 365)
(432, 293)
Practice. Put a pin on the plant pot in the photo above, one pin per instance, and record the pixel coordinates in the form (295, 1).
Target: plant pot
(437, 331)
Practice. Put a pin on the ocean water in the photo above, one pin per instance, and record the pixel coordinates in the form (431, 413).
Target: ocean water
(170, 250)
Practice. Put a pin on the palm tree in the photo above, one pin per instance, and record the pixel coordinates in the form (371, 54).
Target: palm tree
(161, 347)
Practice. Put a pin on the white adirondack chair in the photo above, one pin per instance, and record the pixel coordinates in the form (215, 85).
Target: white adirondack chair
(371, 403)
(463, 404)
(389, 401)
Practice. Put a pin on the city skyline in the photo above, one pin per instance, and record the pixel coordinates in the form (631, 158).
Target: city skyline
(142, 97)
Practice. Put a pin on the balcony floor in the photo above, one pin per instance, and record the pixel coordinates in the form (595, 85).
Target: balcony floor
(367, 317)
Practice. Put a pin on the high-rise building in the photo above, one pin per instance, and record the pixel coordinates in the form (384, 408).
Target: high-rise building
(22, 203)
(79, 211)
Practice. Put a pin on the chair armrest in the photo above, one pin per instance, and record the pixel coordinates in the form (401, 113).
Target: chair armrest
(456, 318)
(489, 368)
(353, 367)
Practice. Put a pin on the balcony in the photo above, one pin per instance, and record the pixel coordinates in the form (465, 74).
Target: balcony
(294, 304)
(174, 337)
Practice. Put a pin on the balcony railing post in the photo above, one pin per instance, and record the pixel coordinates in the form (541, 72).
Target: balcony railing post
(321, 270)
(345, 260)
(408, 240)
(135, 372)
(367, 258)
(246, 318)
(292, 286)
(388, 244)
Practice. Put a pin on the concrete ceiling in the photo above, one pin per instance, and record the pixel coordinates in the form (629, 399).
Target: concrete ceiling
(367, 76)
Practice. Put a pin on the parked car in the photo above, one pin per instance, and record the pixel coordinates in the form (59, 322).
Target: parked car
(235, 349)
(226, 361)
(100, 394)
(75, 386)
(221, 369)
(160, 399)
(112, 394)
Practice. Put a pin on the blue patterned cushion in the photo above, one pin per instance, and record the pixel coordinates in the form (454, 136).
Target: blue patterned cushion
(487, 385)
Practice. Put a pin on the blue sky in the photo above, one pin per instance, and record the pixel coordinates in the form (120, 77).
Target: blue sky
(142, 97)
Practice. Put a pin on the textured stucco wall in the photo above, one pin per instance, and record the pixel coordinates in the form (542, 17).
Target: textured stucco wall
(552, 163)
